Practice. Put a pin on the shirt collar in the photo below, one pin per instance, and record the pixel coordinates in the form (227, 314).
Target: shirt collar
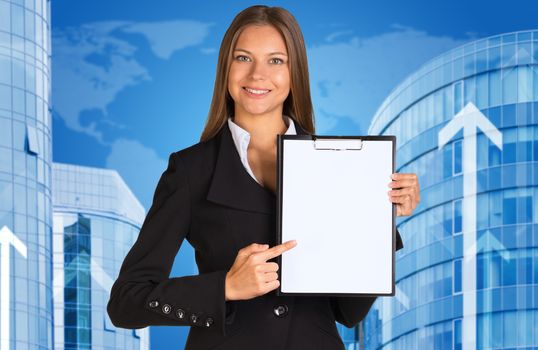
(241, 137)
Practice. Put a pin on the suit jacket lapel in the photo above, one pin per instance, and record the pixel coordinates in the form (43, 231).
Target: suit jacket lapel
(232, 185)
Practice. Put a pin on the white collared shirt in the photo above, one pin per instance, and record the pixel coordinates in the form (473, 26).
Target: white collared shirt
(241, 139)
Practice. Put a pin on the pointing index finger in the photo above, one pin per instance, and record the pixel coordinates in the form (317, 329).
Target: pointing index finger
(278, 250)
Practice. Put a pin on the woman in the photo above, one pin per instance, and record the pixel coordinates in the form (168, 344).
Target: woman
(219, 195)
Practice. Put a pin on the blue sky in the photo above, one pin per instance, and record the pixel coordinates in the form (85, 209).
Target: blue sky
(132, 80)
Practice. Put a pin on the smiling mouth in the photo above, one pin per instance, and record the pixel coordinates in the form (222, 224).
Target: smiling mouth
(258, 92)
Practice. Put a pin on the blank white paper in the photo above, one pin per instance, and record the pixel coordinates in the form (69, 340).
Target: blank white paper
(335, 204)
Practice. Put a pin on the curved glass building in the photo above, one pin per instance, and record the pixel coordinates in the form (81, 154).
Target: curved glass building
(26, 315)
(96, 221)
(467, 278)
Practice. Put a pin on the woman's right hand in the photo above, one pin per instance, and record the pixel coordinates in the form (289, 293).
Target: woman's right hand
(251, 275)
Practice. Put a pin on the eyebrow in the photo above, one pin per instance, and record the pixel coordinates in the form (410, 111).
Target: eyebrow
(272, 53)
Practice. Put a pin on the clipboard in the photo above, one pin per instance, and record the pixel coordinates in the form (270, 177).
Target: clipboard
(332, 198)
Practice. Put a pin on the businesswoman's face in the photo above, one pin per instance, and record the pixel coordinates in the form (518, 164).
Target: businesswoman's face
(259, 76)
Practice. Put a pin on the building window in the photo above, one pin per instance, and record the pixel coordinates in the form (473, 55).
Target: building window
(458, 97)
(456, 273)
(482, 267)
(509, 85)
(456, 209)
(508, 272)
(524, 209)
(509, 210)
(33, 145)
(77, 297)
(457, 334)
(447, 161)
(456, 154)
(524, 144)
(447, 219)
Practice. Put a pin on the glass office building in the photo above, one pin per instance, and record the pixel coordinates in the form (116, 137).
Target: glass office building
(499, 77)
(26, 314)
(96, 221)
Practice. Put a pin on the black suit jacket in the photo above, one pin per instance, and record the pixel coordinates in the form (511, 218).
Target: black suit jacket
(206, 196)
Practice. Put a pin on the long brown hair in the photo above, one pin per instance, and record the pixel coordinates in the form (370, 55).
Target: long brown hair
(298, 104)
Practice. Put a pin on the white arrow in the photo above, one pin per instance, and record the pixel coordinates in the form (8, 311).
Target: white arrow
(7, 238)
(96, 272)
(469, 119)
(522, 54)
(487, 243)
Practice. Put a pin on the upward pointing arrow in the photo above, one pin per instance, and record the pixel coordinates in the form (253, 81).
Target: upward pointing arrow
(469, 119)
(97, 273)
(488, 242)
(7, 238)
(100, 276)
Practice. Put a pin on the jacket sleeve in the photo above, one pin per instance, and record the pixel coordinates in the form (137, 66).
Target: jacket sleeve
(143, 293)
(349, 311)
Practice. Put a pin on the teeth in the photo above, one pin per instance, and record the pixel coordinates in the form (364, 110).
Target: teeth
(257, 92)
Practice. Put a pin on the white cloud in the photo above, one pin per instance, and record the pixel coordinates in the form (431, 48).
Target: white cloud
(208, 50)
(167, 37)
(331, 37)
(351, 78)
(139, 166)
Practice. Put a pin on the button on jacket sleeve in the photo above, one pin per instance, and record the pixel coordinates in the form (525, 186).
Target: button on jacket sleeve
(143, 293)
(349, 311)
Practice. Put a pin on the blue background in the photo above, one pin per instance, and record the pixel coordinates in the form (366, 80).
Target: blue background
(132, 81)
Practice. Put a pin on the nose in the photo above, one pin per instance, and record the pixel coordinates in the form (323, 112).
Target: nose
(258, 71)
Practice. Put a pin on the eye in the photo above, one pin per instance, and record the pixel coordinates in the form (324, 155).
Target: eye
(277, 60)
(242, 58)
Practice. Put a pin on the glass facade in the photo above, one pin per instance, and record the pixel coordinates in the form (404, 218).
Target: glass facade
(96, 221)
(26, 320)
(498, 75)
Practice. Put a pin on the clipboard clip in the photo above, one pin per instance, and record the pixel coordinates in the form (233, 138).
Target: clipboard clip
(338, 144)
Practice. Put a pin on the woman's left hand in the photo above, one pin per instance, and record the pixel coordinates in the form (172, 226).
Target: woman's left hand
(405, 193)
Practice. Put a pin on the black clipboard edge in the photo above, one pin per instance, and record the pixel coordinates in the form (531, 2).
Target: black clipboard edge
(279, 178)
